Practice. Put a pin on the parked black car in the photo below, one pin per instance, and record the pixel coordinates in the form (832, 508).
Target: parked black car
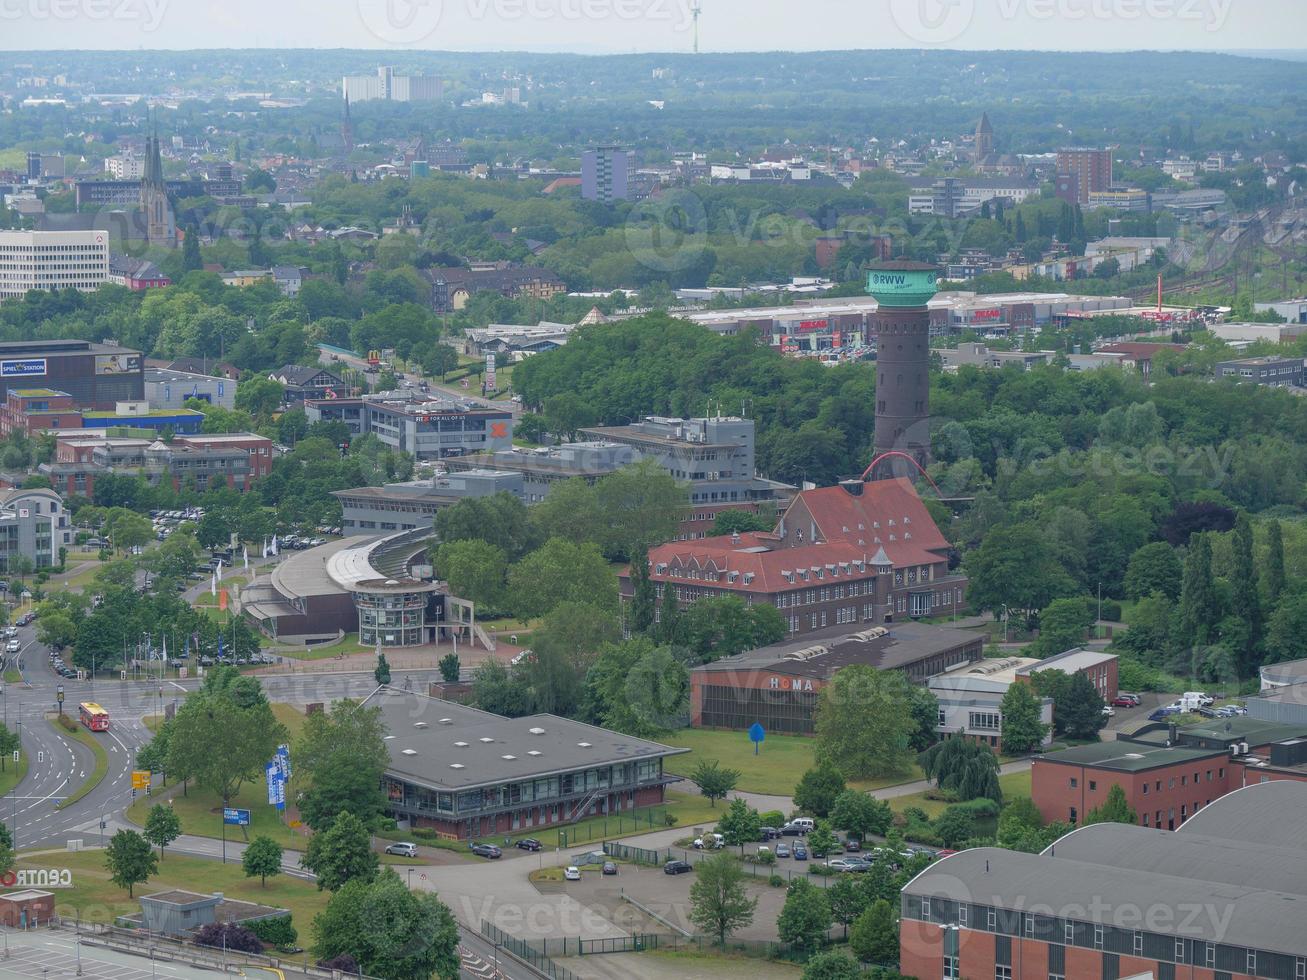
(677, 867)
(528, 844)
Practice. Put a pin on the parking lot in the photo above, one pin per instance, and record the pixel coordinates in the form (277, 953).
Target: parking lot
(665, 895)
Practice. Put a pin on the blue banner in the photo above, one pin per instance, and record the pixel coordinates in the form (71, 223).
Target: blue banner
(32, 367)
(241, 818)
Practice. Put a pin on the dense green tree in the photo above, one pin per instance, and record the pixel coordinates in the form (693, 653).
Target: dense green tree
(831, 965)
(719, 898)
(1199, 609)
(955, 826)
(805, 917)
(500, 691)
(1023, 731)
(713, 780)
(450, 668)
(847, 900)
(162, 827)
(818, 789)
(231, 711)
(1014, 568)
(1245, 600)
(1080, 709)
(1114, 809)
(875, 934)
(341, 853)
(822, 839)
(860, 814)
(1154, 568)
(924, 707)
(642, 609)
(1273, 567)
(501, 520)
(739, 825)
(864, 723)
(1062, 626)
(261, 857)
(637, 688)
(966, 768)
(1286, 637)
(475, 570)
(670, 628)
(724, 626)
(130, 860)
(742, 522)
(561, 571)
(388, 930)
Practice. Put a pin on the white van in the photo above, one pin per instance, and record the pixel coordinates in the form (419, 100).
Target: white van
(803, 823)
(1194, 699)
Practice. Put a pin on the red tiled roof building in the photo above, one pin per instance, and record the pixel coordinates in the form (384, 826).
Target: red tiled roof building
(861, 553)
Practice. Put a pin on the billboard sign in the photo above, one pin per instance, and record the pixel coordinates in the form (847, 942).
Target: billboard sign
(490, 372)
(27, 367)
(238, 818)
(813, 324)
(117, 363)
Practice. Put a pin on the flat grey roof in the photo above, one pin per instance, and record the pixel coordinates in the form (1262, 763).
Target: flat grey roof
(425, 732)
(904, 644)
(1287, 672)
(1123, 756)
(1070, 661)
(1128, 898)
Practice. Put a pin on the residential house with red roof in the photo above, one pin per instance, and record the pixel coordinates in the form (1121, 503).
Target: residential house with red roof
(854, 553)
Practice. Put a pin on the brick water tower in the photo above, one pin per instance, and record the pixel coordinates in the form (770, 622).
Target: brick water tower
(902, 289)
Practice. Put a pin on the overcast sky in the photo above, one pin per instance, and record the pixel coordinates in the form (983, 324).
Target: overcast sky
(609, 26)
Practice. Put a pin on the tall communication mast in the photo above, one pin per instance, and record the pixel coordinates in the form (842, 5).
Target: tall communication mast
(696, 8)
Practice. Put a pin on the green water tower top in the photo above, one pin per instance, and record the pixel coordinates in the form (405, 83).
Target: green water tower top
(902, 283)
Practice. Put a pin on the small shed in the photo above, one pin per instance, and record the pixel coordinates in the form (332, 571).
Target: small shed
(19, 910)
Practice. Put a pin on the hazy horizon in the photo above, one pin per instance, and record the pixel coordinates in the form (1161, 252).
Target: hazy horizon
(657, 26)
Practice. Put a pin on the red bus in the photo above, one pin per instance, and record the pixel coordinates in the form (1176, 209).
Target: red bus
(93, 716)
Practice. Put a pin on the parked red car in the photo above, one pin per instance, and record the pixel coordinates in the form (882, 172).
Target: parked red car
(1126, 701)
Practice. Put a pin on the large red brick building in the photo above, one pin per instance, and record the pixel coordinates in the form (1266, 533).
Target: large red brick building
(1168, 774)
(1222, 899)
(856, 553)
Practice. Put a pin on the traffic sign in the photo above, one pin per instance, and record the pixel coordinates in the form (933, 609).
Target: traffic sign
(140, 779)
(240, 818)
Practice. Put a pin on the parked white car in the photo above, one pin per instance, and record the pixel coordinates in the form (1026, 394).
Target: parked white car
(572, 873)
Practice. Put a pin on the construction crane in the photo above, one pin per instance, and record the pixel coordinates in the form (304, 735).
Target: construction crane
(696, 8)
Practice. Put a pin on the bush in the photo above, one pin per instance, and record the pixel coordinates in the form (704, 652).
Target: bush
(1111, 610)
(772, 818)
(344, 963)
(228, 935)
(765, 858)
(776, 881)
(66, 722)
(275, 932)
(821, 870)
(670, 819)
(981, 806)
(424, 833)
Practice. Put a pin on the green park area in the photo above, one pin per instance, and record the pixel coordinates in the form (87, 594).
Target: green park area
(201, 810)
(1013, 785)
(94, 898)
(777, 766)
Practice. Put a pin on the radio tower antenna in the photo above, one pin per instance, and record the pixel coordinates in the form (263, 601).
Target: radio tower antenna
(695, 10)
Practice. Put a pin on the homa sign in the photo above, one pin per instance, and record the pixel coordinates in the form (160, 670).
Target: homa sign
(38, 878)
(789, 683)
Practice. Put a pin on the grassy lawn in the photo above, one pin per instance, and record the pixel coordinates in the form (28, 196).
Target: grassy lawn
(94, 898)
(230, 582)
(101, 761)
(201, 811)
(82, 579)
(13, 676)
(780, 761)
(325, 651)
(13, 773)
(1013, 785)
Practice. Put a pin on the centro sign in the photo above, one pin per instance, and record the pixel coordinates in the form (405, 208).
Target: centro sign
(38, 878)
(789, 683)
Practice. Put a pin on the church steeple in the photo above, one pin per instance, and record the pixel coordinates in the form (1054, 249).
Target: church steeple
(160, 228)
(347, 127)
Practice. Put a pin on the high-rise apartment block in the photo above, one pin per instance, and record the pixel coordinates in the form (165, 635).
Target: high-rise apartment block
(52, 260)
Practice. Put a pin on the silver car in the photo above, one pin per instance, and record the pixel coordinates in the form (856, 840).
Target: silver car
(403, 850)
